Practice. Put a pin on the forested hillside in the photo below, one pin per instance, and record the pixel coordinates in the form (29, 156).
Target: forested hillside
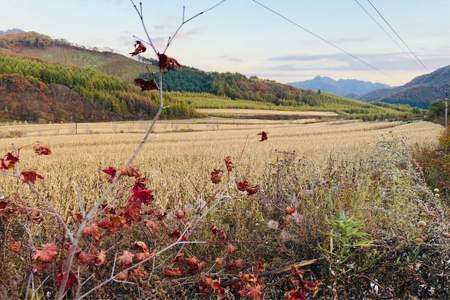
(111, 98)
(420, 92)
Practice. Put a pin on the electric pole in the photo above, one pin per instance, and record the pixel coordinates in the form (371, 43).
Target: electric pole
(446, 111)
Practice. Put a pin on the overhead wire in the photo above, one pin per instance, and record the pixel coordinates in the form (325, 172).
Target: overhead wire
(411, 52)
(318, 36)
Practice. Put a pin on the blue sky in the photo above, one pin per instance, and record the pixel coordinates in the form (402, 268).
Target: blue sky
(242, 37)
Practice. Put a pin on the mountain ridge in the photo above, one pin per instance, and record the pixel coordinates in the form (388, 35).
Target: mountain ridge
(419, 92)
(341, 87)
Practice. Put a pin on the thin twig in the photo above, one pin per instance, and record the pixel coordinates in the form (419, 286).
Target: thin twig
(184, 22)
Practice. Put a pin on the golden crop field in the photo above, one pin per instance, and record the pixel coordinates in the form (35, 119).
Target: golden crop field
(181, 154)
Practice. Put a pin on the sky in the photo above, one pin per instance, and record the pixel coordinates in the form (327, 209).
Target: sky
(240, 36)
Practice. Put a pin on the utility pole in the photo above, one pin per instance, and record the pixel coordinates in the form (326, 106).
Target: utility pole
(446, 111)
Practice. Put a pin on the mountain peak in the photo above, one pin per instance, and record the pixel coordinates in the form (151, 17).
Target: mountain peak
(341, 87)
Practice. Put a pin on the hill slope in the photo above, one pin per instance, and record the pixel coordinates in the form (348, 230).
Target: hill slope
(32, 44)
(341, 87)
(419, 92)
(232, 85)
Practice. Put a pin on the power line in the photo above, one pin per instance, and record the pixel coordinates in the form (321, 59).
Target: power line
(321, 38)
(398, 35)
(379, 25)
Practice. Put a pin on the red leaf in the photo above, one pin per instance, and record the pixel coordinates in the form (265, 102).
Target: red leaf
(126, 259)
(8, 161)
(100, 260)
(264, 136)
(42, 150)
(72, 279)
(231, 248)
(216, 176)
(235, 264)
(139, 273)
(47, 253)
(296, 294)
(167, 63)
(252, 292)
(130, 172)
(219, 233)
(144, 196)
(15, 246)
(152, 226)
(146, 85)
(289, 210)
(251, 190)
(195, 265)
(30, 177)
(242, 185)
(229, 164)
(77, 217)
(173, 272)
(85, 258)
(139, 48)
(180, 214)
(111, 172)
(93, 232)
(141, 246)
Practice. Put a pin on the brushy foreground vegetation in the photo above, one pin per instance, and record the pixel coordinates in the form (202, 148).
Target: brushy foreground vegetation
(348, 227)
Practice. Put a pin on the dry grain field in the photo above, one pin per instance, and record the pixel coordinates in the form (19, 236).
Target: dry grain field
(181, 154)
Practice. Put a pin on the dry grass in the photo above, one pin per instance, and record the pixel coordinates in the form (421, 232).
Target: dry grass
(178, 163)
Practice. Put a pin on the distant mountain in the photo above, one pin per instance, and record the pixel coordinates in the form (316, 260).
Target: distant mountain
(343, 87)
(419, 92)
(11, 31)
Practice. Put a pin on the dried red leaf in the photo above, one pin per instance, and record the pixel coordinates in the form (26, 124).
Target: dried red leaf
(264, 136)
(194, 264)
(15, 246)
(30, 177)
(36, 216)
(85, 258)
(47, 253)
(141, 246)
(179, 214)
(242, 185)
(77, 217)
(167, 63)
(289, 210)
(72, 279)
(235, 264)
(252, 292)
(111, 172)
(131, 172)
(219, 233)
(251, 190)
(216, 176)
(146, 85)
(126, 259)
(173, 272)
(139, 48)
(229, 164)
(100, 260)
(139, 273)
(93, 232)
(296, 294)
(207, 283)
(8, 161)
(231, 248)
(144, 196)
(42, 150)
(152, 226)
(176, 234)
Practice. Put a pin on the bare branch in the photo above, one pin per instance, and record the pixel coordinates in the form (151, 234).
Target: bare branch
(184, 22)
(140, 13)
